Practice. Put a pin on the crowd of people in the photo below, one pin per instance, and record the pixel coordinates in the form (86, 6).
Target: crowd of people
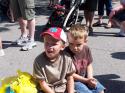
(63, 68)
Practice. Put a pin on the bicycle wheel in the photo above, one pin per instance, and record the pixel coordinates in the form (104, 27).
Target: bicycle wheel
(71, 17)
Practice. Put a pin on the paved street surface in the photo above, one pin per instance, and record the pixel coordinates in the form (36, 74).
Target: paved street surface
(108, 52)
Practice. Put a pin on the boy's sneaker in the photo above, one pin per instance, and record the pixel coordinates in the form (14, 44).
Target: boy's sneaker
(2, 52)
(29, 45)
(21, 41)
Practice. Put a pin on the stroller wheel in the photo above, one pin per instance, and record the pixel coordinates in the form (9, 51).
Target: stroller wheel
(72, 17)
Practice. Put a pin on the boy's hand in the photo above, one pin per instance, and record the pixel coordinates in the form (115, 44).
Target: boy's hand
(92, 83)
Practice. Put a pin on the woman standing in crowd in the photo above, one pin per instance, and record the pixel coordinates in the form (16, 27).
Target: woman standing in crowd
(90, 7)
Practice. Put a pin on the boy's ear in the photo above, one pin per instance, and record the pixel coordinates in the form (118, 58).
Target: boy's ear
(85, 41)
(63, 47)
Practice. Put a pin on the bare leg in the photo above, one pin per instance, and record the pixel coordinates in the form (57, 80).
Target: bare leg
(50, 3)
(86, 17)
(0, 43)
(23, 26)
(100, 18)
(1, 50)
(89, 17)
(31, 28)
(11, 14)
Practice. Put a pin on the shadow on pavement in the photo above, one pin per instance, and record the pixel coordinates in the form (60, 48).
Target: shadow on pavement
(108, 34)
(119, 55)
(39, 30)
(3, 29)
(112, 85)
(7, 44)
(11, 24)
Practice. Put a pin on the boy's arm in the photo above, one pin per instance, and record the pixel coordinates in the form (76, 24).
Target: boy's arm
(90, 71)
(70, 84)
(92, 82)
(80, 78)
(44, 86)
(115, 10)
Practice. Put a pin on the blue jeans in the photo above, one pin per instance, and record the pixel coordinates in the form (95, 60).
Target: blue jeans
(83, 88)
(108, 5)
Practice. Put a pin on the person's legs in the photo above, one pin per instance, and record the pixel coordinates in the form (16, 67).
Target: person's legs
(0, 43)
(15, 6)
(50, 3)
(108, 4)
(28, 14)
(99, 88)
(81, 88)
(101, 9)
(1, 48)
(23, 27)
(100, 13)
(89, 15)
(31, 27)
(12, 16)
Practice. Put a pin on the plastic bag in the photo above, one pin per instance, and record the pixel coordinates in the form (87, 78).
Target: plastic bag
(22, 83)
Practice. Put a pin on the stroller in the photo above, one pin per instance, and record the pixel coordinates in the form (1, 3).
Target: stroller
(57, 17)
(63, 17)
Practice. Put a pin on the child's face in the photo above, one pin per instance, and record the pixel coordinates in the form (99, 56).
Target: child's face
(75, 45)
(52, 47)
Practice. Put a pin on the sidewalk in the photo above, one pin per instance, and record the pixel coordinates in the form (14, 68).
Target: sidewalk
(108, 52)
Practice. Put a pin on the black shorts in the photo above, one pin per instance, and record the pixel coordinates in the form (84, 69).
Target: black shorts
(90, 5)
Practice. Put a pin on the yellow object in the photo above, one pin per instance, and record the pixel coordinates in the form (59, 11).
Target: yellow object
(22, 83)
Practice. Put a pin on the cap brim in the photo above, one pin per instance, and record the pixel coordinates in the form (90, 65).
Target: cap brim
(47, 33)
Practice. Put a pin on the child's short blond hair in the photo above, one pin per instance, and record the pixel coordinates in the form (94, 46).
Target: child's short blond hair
(79, 31)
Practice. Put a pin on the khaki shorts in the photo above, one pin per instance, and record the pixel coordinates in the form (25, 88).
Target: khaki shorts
(23, 8)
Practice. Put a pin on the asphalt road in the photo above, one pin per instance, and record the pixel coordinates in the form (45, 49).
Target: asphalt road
(108, 52)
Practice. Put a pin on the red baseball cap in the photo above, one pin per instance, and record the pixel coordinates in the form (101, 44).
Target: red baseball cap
(56, 32)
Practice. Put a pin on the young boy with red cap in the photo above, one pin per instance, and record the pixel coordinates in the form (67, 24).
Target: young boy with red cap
(53, 68)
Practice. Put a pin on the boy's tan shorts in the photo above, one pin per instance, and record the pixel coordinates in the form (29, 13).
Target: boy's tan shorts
(23, 8)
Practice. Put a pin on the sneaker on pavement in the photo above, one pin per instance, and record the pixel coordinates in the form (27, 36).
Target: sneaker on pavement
(29, 45)
(21, 41)
(2, 52)
(120, 34)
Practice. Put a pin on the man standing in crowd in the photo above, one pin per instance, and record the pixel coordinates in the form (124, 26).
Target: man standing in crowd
(24, 12)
